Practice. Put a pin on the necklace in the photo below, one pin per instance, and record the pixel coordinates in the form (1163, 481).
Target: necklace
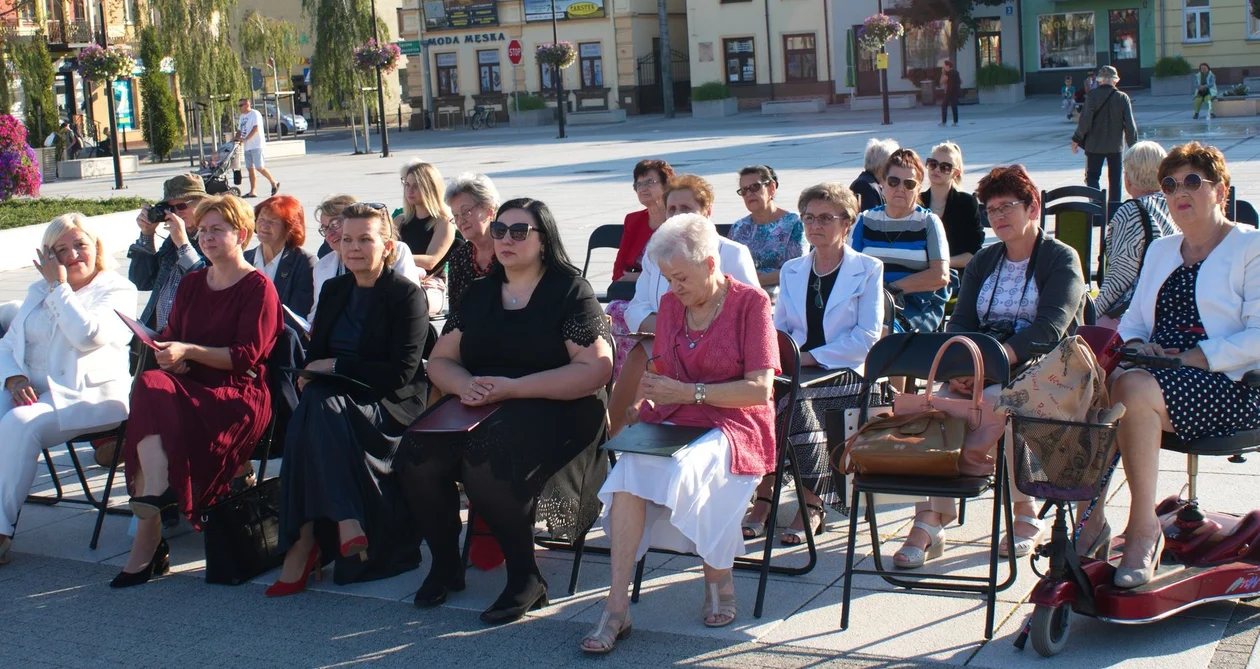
(814, 266)
(691, 343)
(513, 299)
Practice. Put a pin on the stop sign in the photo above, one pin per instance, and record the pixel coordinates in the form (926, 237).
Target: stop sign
(514, 52)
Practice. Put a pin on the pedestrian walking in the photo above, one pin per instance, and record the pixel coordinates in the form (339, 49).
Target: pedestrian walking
(1106, 126)
(253, 139)
(952, 83)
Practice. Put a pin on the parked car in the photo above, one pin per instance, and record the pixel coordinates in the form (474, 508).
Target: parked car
(289, 123)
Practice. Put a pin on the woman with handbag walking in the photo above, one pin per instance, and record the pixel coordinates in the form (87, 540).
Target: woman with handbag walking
(1026, 289)
(1106, 126)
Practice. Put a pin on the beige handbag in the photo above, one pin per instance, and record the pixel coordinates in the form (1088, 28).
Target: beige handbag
(1063, 385)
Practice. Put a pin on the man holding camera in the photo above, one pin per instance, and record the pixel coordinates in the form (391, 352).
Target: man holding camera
(160, 269)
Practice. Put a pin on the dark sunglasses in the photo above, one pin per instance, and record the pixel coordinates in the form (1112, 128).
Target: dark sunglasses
(934, 164)
(379, 206)
(177, 206)
(1192, 183)
(519, 231)
(908, 184)
(751, 188)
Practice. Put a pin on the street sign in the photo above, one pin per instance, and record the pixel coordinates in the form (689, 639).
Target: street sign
(881, 61)
(514, 52)
(410, 47)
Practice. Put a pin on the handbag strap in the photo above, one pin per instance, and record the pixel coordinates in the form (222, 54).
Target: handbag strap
(977, 389)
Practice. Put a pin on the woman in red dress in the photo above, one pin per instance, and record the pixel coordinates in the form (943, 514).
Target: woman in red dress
(195, 421)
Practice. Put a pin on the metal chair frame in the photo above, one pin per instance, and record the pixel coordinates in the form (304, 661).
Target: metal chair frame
(1089, 201)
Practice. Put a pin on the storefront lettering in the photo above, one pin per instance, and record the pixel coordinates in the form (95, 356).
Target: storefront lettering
(476, 38)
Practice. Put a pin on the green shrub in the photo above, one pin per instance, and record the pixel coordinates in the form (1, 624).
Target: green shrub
(35, 68)
(527, 102)
(713, 90)
(20, 212)
(997, 74)
(162, 129)
(1172, 66)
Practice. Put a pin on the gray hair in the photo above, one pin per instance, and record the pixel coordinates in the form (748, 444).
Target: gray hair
(689, 237)
(878, 151)
(1141, 165)
(477, 186)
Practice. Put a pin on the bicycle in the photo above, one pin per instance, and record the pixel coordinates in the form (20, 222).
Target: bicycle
(483, 117)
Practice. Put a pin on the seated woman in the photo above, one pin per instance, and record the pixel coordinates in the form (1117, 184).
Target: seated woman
(474, 199)
(911, 242)
(718, 357)
(1134, 226)
(531, 338)
(1195, 301)
(324, 213)
(867, 184)
(686, 194)
(65, 331)
(195, 421)
(1026, 289)
(280, 225)
(772, 234)
(831, 301)
(340, 495)
(426, 227)
(651, 178)
(1204, 89)
(959, 211)
(331, 265)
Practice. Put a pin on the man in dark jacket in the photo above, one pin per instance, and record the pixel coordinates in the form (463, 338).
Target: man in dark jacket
(952, 82)
(160, 268)
(1105, 127)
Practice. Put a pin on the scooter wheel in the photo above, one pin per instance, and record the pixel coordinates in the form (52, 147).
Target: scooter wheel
(1049, 629)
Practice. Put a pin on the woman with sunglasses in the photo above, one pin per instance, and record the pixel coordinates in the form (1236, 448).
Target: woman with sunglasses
(529, 337)
(331, 265)
(474, 199)
(651, 177)
(341, 500)
(831, 301)
(911, 242)
(427, 227)
(772, 234)
(1026, 289)
(958, 210)
(1195, 301)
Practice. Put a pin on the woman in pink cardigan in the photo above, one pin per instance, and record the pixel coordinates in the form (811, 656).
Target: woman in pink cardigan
(716, 356)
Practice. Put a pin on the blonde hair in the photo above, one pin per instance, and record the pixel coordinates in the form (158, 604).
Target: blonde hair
(75, 221)
(833, 193)
(955, 157)
(432, 188)
(1141, 165)
(233, 210)
(331, 207)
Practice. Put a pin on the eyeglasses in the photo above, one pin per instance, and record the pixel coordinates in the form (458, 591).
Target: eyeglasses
(646, 183)
(934, 164)
(822, 219)
(1002, 211)
(410, 185)
(1192, 184)
(466, 212)
(519, 231)
(908, 184)
(751, 188)
(332, 225)
(177, 206)
(817, 288)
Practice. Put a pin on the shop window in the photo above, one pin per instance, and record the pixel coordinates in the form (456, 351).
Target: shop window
(800, 57)
(488, 73)
(1253, 27)
(1066, 40)
(131, 11)
(591, 60)
(925, 48)
(546, 77)
(741, 61)
(448, 74)
(1198, 17)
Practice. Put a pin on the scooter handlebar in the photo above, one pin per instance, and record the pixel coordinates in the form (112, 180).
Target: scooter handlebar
(1130, 355)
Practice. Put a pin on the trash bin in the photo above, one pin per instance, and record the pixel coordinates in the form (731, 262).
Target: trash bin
(927, 93)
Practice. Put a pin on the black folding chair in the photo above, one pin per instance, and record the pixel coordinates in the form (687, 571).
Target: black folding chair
(603, 237)
(724, 229)
(911, 356)
(1245, 213)
(1090, 202)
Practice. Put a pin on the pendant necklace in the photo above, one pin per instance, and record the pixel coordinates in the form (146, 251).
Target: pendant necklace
(691, 343)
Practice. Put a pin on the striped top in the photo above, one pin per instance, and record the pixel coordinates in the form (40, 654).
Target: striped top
(905, 245)
(1126, 245)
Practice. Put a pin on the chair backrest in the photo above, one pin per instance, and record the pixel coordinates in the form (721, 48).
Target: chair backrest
(890, 310)
(1079, 212)
(790, 363)
(603, 237)
(429, 341)
(1231, 204)
(911, 355)
(1245, 213)
(724, 229)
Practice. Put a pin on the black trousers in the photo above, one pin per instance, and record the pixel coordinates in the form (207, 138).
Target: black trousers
(947, 104)
(1093, 171)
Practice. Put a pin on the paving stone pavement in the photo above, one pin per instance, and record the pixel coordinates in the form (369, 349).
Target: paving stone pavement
(60, 612)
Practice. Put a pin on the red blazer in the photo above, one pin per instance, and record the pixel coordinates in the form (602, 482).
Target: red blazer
(634, 238)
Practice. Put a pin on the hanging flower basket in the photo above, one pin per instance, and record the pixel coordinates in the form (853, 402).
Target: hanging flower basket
(877, 30)
(100, 64)
(19, 173)
(560, 54)
(371, 55)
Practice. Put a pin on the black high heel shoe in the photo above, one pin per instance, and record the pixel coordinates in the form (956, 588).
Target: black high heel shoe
(439, 584)
(159, 565)
(514, 603)
(166, 505)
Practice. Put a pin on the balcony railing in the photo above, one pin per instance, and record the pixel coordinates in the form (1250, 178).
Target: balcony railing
(76, 32)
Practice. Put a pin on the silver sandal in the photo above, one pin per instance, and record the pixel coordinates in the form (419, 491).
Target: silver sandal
(717, 605)
(604, 635)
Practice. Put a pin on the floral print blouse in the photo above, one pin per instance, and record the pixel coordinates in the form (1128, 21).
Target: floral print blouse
(771, 244)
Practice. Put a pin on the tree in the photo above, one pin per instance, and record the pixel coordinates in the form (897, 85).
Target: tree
(163, 126)
(919, 13)
(339, 26)
(195, 33)
(6, 95)
(34, 66)
(264, 38)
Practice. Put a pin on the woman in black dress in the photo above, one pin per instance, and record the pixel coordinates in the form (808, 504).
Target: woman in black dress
(426, 227)
(958, 210)
(340, 495)
(531, 337)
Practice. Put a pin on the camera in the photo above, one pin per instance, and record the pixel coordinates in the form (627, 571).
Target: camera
(158, 212)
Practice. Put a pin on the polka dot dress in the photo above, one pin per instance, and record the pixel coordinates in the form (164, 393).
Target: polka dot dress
(1200, 403)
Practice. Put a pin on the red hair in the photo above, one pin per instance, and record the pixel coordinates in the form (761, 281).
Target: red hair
(1012, 181)
(290, 212)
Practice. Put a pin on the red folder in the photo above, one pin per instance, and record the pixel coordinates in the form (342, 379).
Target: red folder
(452, 416)
(145, 335)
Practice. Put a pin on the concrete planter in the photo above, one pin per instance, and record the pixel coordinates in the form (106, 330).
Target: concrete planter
(1169, 86)
(1008, 94)
(810, 106)
(1233, 107)
(531, 118)
(17, 245)
(714, 108)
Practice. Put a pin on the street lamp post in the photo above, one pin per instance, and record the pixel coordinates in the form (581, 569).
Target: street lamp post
(559, 72)
(883, 75)
(380, 89)
(113, 116)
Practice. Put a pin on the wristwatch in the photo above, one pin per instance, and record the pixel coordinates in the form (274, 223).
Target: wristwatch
(700, 393)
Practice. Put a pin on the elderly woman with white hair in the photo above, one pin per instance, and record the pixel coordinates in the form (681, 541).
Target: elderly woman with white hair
(716, 358)
(65, 332)
(866, 186)
(473, 200)
(1138, 222)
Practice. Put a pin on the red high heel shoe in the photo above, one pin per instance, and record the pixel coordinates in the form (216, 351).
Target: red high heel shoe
(356, 546)
(285, 588)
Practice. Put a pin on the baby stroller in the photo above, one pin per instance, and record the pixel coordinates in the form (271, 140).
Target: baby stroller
(214, 171)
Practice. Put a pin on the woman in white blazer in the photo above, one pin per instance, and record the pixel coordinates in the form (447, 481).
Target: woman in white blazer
(1198, 300)
(64, 359)
(831, 301)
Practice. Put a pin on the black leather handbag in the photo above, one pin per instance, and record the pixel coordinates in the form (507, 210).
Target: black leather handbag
(242, 535)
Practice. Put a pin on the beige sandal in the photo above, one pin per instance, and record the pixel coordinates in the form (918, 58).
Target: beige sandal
(605, 635)
(717, 605)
